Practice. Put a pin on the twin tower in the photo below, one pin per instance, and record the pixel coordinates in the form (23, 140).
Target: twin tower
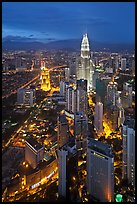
(85, 69)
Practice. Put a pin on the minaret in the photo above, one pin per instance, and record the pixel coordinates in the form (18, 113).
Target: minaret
(85, 71)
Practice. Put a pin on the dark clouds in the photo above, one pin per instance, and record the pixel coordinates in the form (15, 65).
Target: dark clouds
(103, 21)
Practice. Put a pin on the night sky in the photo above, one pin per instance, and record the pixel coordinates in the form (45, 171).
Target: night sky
(43, 21)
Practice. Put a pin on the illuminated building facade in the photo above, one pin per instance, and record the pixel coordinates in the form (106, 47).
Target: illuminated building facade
(129, 150)
(98, 117)
(45, 78)
(34, 152)
(111, 92)
(85, 69)
(100, 171)
(67, 74)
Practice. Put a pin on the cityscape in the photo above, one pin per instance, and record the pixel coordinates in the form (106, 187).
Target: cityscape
(68, 112)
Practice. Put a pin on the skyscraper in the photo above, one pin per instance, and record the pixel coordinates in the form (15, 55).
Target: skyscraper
(80, 132)
(111, 92)
(129, 150)
(67, 74)
(85, 70)
(63, 128)
(62, 160)
(82, 100)
(123, 64)
(98, 118)
(100, 171)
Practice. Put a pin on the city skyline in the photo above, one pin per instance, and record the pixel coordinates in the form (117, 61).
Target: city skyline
(46, 22)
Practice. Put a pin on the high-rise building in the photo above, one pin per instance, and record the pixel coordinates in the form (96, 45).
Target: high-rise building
(26, 97)
(34, 152)
(20, 96)
(74, 100)
(62, 154)
(121, 117)
(127, 92)
(69, 99)
(67, 74)
(63, 88)
(82, 100)
(129, 150)
(100, 171)
(98, 117)
(111, 92)
(85, 70)
(123, 64)
(67, 169)
(45, 77)
(63, 129)
(80, 132)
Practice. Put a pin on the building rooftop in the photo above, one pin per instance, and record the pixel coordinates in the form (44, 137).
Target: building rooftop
(130, 122)
(37, 146)
(62, 118)
(100, 147)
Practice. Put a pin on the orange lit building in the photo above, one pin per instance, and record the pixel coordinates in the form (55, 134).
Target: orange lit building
(45, 78)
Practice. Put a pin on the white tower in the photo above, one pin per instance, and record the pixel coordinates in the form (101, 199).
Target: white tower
(98, 118)
(85, 71)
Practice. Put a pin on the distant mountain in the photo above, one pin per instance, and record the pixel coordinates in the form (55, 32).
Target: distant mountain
(73, 44)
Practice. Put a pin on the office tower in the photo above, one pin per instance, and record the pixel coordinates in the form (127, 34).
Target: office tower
(85, 70)
(69, 99)
(63, 129)
(45, 78)
(74, 100)
(121, 117)
(100, 171)
(80, 132)
(98, 117)
(29, 97)
(62, 154)
(112, 115)
(82, 100)
(20, 96)
(67, 170)
(95, 77)
(123, 64)
(101, 88)
(111, 92)
(128, 171)
(67, 74)
(127, 92)
(63, 87)
(34, 152)
(26, 97)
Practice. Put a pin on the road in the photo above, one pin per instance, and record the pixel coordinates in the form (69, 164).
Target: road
(23, 86)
